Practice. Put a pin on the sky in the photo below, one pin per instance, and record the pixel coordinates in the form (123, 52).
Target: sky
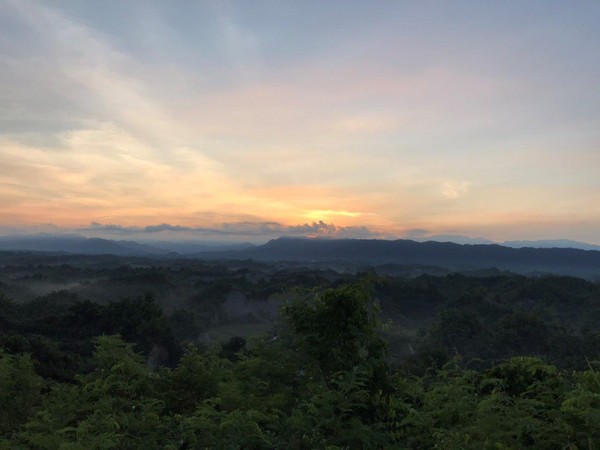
(243, 121)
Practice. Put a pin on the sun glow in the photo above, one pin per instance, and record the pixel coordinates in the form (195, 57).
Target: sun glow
(215, 118)
(323, 214)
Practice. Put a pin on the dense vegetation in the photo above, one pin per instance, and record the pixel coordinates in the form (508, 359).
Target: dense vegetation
(498, 361)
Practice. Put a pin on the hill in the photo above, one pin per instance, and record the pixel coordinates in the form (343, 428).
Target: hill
(446, 255)
(565, 261)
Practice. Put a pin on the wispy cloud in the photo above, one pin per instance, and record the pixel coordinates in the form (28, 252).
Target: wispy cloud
(455, 189)
(221, 113)
(331, 212)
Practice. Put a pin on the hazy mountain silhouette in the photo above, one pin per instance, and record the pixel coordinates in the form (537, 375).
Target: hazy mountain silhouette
(78, 245)
(457, 239)
(192, 247)
(144, 248)
(442, 254)
(447, 255)
(542, 243)
(552, 243)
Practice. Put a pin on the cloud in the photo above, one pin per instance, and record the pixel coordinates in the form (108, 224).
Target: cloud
(330, 230)
(95, 226)
(167, 227)
(314, 229)
(416, 233)
(330, 212)
(455, 189)
(248, 116)
(266, 230)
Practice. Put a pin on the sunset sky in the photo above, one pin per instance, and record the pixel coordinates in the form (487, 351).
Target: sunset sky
(249, 120)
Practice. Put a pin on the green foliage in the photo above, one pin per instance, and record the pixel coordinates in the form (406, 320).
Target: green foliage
(340, 415)
(455, 329)
(514, 405)
(194, 379)
(338, 329)
(324, 379)
(114, 406)
(185, 325)
(582, 407)
(20, 391)
(139, 319)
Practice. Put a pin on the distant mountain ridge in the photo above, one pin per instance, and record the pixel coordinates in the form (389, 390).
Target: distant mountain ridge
(540, 243)
(457, 239)
(566, 261)
(77, 244)
(552, 243)
(448, 255)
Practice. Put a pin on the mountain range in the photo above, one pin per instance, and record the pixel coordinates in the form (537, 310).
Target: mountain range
(566, 261)
(541, 243)
(77, 244)
(449, 255)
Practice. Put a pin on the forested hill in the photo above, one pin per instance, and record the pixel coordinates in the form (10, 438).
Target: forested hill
(131, 352)
(566, 261)
(446, 255)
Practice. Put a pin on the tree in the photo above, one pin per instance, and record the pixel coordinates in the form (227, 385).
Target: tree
(20, 391)
(338, 329)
